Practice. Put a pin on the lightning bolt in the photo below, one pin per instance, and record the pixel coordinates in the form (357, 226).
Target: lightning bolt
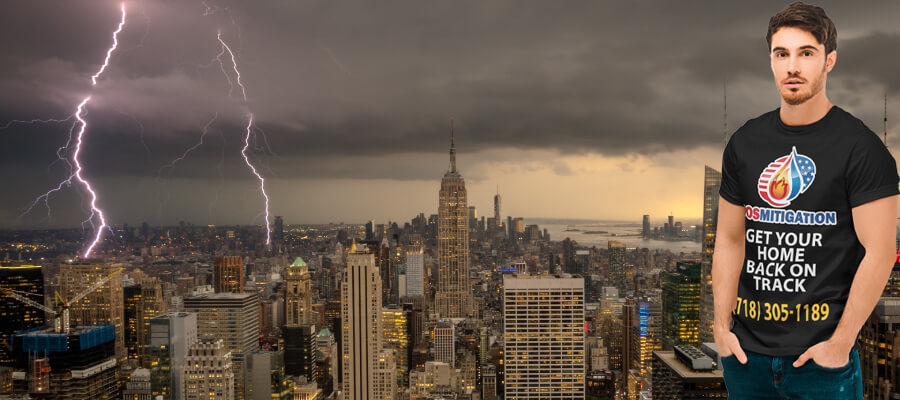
(95, 211)
(171, 165)
(234, 64)
(77, 175)
(111, 49)
(262, 181)
(34, 121)
(249, 131)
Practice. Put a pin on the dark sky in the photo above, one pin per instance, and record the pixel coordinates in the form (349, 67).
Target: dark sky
(591, 109)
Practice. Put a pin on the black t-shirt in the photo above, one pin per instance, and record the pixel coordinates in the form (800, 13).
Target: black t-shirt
(798, 185)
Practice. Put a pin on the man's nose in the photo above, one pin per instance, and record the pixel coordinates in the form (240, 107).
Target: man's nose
(793, 66)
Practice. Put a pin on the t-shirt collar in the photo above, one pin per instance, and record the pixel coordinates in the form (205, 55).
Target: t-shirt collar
(800, 129)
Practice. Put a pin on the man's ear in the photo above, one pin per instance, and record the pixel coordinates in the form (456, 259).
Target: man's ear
(830, 60)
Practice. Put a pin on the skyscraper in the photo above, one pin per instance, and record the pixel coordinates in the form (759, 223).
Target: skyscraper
(229, 274)
(415, 267)
(646, 332)
(104, 305)
(298, 296)
(152, 304)
(879, 341)
(361, 341)
(132, 307)
(396, 332)
(278, 232)
(617, 265)
(711, 181)
(681, 305)
(80, 364)
(16, 315)
(171, 335)
(544, 351)
(453, 297)
(444, 349)
(234, 318)
(138, 386)
(209, 372)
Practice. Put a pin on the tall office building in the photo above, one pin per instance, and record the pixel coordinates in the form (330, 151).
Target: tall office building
(132, 307)
(209, 372)
(444, 349)
(361, 324)
(645, 226)
(152, 304)
(266, 379)
(617, 271)
(298, 296)
(234, 318)
(228, 276)
(300, 351)
(415, 267)
(171, 335)
(686, 373)
(879, 343)
(28, 280)
(646, 332)
(278, 232)
(681, 305)
(370, 230)
(77, 365)
(453, 298)
(625, 326)
(104, 305)
(568, 256)
(544, 351)
(384, 383)
(711, 181)
(395, 329)
(138, 386)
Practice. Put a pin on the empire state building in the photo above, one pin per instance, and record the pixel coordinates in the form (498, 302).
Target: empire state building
(453, 298)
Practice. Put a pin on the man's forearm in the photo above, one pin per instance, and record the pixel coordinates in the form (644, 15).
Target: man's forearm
(867, 287)
(726, 272)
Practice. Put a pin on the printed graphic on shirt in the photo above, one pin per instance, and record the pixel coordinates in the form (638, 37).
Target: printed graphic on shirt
(786, 178)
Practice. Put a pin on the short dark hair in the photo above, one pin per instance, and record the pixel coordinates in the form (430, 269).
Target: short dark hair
(808, 17)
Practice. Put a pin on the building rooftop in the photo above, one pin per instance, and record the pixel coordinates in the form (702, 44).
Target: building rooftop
(668, 357)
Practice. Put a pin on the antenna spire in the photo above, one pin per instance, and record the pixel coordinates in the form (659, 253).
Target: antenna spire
(452, 148)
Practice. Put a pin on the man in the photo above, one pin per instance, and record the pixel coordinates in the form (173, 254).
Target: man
(806, 229)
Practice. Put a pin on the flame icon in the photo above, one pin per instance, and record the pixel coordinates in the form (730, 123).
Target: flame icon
(786, 178)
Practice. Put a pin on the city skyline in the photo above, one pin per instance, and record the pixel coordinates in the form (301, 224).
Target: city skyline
(568, 123)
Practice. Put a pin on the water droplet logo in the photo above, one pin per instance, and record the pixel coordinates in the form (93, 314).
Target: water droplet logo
(786, 178)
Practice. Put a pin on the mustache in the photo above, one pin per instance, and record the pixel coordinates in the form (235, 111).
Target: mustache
(793, 77)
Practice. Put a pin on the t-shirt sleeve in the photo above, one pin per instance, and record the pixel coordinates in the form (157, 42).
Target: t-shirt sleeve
(730, 188)
(871, 171)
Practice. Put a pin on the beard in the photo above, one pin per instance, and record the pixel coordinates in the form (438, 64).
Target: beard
(799, 96)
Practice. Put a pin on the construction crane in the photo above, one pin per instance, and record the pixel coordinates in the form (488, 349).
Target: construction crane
(60, 325)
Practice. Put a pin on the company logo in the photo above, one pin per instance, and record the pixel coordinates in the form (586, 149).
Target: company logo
(786, 178)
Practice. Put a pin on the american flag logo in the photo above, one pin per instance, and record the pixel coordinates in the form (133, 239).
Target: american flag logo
(786, 178)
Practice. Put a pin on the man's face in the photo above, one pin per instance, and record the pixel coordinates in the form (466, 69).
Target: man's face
(799, 64)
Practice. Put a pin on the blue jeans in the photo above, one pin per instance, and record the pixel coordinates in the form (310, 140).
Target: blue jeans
(774, 377)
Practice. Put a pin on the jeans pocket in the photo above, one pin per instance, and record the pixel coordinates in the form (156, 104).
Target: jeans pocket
(834, 369)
